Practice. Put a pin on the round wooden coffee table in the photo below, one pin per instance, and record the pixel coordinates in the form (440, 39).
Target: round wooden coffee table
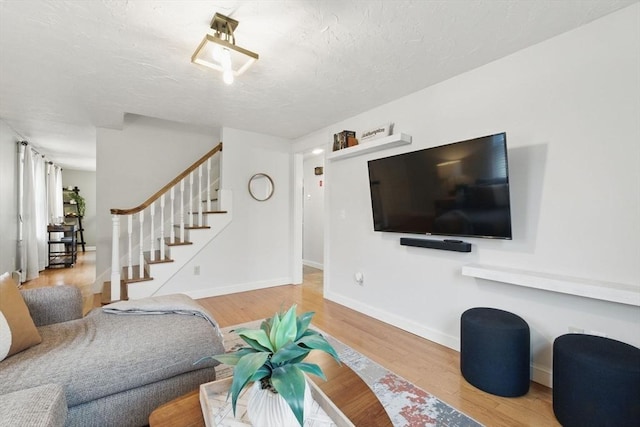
(343, 386)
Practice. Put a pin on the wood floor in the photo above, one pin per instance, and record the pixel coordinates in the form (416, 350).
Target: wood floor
(433, 367)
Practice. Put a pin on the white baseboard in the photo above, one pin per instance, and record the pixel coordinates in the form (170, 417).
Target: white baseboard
(539, 374)
(240, 287)
(313, 264)
(398, 321)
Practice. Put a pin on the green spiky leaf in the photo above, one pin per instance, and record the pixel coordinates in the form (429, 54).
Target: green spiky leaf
(284, 329)
(317, 342)
(312, 368)
(289, 381)
(288, 353)
(256, 338)
(302, 323)
(246, 367)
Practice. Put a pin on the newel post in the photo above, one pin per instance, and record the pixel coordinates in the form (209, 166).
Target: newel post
(115, 258)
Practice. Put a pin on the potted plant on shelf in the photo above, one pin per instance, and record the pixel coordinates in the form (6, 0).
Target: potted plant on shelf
(273, 361)
(79, 200)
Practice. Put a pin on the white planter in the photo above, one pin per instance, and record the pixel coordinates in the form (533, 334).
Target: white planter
(268, 409)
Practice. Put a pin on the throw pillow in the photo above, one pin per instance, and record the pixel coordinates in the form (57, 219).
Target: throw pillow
(17, 330)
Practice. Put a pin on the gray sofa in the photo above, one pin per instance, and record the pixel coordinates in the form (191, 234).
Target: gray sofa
(113, 370)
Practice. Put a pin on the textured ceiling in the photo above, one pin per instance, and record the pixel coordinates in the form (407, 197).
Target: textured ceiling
(67, 67)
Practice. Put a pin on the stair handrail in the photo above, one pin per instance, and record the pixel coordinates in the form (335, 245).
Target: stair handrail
(167, 187)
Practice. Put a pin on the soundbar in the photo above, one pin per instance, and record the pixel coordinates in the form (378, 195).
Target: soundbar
(445, 245)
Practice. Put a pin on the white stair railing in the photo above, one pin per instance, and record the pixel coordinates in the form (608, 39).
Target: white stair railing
(147, 240)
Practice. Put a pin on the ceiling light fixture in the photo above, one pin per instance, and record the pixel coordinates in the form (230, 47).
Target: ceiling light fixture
(218, 50)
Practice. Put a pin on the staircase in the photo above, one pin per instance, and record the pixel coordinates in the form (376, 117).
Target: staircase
(153, 241)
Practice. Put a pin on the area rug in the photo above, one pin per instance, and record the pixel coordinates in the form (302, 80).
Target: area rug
(406, 404)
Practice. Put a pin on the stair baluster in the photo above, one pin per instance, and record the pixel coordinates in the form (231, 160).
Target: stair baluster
(199, 200)
(152, 237)
(162, 244)
(209, 185)
(130, 251)
(172, 231)
(181, 213)
(115, 257)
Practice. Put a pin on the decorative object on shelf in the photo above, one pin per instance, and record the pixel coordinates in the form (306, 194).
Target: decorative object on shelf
(318, 170)
(218, 50)
(75, 208)
(77, 199)
(261, 187)
(390, 141)
(274, 360)
(377, 132)
(344, 139)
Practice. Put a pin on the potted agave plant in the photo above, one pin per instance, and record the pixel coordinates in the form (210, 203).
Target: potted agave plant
(273, 361)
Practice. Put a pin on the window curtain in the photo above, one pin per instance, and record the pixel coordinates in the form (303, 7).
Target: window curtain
(30, 264)
(41, 218)
(40, 201)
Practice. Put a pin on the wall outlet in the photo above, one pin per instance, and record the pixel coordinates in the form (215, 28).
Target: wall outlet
(359, 277)
(196, 270)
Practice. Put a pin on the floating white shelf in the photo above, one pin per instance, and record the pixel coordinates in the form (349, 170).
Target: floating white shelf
(606, 291)
(368, 147)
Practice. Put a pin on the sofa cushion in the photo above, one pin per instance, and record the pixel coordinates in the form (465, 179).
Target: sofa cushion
(103, 354)
(17, 330)
(43, 406)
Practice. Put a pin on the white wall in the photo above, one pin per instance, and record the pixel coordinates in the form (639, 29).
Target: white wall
(313, 222)
(134, 163)
(86, 183)
(8, 198)
(254, 251)
(570, 107)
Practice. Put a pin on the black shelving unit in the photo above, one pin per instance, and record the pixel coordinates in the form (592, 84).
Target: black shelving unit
(65, 248)
(72, 214)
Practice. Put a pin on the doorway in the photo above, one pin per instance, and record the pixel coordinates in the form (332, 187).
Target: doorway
(313, 213)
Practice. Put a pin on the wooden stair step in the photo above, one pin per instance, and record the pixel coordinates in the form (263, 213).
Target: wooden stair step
(177, 242)
(193, 227)
(138, 274)
(213, 200)
(204, 212)
(147, 258)
(106, 293)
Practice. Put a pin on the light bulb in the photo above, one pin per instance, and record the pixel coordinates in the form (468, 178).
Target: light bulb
(225, 60)
(227, 76)
(217, 54)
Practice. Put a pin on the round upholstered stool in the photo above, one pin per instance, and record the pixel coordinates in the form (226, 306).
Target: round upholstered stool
(596, 381)
(495, 351)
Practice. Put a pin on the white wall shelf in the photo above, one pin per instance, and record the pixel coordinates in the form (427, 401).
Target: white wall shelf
(606, 291)
(370, 146)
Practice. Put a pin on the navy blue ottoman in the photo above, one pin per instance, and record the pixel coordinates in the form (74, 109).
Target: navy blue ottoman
(495, 351)
(596, 381)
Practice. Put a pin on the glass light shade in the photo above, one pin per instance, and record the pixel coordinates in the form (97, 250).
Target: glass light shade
(239, 59)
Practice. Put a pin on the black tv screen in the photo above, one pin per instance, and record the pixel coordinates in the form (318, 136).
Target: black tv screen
(459, 189)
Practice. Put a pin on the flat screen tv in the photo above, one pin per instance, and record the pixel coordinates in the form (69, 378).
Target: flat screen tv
(459, 189)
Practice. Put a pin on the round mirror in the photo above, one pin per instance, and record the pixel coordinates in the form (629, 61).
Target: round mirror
(261, 187)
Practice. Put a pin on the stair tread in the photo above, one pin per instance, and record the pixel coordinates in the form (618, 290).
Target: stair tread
(177, 242)
(136, 276)
(147, 258)
(106, 293)
(204, 212)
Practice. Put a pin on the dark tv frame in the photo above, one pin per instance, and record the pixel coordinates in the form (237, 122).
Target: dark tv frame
(482, 199)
